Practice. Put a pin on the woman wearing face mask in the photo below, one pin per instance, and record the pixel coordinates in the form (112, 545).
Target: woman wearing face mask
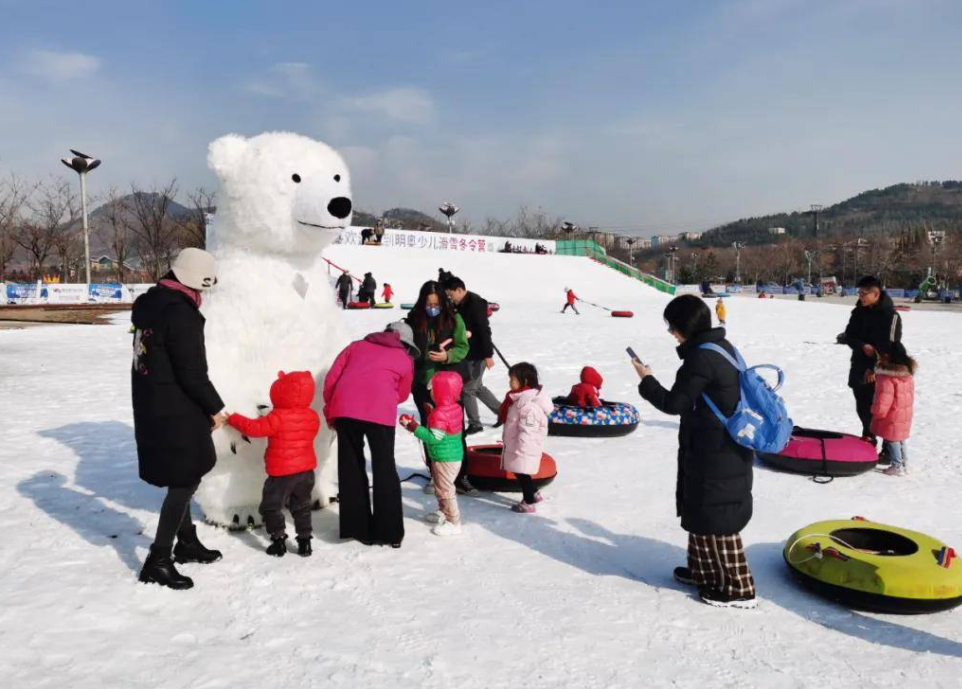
(440, 335)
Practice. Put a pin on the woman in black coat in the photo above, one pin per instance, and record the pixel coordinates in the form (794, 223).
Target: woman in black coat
(714, 491)
(176, 408)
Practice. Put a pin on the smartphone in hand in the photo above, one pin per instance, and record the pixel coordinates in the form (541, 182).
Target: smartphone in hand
(631, 353)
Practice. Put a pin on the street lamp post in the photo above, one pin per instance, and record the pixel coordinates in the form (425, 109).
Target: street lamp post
(809, 256)
(449, 209)
(81, 163)
(630, 242)
(738, 264)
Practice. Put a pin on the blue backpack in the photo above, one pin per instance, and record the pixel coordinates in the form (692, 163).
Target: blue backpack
(760, 421)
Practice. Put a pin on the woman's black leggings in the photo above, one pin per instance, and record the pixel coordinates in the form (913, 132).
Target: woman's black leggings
(527, 487)
(174, 515)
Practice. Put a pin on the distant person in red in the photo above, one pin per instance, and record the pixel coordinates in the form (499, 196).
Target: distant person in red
(585, 393)
(388, 293)
(290, 429)
(572, 298)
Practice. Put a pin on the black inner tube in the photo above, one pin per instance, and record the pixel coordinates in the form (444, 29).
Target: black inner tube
(875, 541)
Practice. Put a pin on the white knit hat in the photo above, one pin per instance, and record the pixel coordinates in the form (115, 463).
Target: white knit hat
(195, 268)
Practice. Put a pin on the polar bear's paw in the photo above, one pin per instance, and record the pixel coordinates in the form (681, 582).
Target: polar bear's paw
(323, 497)
(238, 518)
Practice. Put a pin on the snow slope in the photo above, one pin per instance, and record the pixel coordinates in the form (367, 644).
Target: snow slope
(578, 595)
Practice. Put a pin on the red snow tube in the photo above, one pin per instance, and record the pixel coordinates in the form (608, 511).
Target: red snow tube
(492, 308)
(485, 472)
(902, 307)
(824, 453)
(622, 314)
(358, 305)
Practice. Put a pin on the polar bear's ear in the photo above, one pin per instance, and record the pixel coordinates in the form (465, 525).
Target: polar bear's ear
(224, 154)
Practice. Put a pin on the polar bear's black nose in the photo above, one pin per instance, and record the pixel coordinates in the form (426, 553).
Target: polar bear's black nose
(340, 207)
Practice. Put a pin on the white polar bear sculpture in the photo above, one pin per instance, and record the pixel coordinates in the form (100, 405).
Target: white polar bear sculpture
(283, 199)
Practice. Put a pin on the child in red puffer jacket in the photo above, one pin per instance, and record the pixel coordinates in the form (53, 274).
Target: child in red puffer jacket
(290, 429)
(893, 404)
(585, 393)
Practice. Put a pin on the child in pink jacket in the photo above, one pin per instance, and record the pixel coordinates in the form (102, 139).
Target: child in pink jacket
(892, 407)
(524, 414)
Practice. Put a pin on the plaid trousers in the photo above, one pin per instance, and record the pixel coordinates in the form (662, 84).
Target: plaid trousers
(718, 562)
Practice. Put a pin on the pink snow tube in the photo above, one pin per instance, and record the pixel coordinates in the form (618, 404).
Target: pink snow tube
(824, 453)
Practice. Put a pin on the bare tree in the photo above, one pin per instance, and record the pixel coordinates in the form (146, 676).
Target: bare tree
(149, 222)
(54, 206)
(69, 248)
(193, 224)
(114, 229)
(13, 195)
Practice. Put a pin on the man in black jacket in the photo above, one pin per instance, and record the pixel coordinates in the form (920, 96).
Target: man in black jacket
(344, 287)
(872, 327)
(176, 408)
(474, 313)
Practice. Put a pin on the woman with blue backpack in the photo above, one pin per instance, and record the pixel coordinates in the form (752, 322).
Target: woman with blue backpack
(713, 495)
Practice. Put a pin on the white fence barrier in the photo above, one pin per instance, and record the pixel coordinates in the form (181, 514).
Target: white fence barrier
(68, 293)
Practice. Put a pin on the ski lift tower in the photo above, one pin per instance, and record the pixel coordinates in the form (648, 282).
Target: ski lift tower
(449, 209)
(81, 163)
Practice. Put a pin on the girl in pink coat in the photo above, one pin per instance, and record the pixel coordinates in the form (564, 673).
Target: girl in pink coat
(892, 406)
(524, 414)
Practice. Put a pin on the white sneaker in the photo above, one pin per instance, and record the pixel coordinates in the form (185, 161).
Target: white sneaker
(434, 517)
(429, 488)
(447, 529)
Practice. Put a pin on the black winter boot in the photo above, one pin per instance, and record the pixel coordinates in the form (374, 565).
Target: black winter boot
(278, 546)
(190, 549)
(159, 569)
(304, 546)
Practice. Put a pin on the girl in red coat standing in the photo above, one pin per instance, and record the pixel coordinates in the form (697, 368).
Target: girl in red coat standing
(388, 293)
(290, 429)
(893, 404)
(570, 298)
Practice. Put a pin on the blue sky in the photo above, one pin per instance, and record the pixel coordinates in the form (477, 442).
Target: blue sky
(647, 116)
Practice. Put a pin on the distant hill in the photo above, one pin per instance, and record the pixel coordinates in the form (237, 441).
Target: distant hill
(406, 218)
(878, 211)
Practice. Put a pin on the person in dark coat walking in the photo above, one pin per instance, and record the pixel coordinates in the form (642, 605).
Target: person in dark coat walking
(872, 328)
(368, 289)
(473, 310)
(176, 408)
(344, 287)
(713, 494)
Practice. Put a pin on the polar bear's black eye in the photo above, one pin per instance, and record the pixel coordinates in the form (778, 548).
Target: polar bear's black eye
(337, 178)
(296, 177)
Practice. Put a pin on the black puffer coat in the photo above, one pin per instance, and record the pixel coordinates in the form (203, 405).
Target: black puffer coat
(172, 395)
(879, 326)
(714, 490)
(474, 312)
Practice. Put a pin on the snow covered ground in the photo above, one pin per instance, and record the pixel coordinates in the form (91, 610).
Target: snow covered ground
(578, 595)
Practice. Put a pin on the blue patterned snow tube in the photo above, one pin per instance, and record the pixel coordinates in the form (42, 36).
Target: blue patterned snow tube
(610, 420)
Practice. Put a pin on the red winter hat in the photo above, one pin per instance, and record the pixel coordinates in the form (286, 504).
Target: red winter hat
(591, 377)
(293, 390)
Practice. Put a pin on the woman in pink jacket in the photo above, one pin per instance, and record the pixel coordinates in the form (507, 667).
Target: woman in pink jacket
(524, 414)
(362, 391)
(892, 406)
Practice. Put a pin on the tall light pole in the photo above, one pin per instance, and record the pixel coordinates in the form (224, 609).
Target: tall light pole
(630, 242)
(809, 256)
(449, 209)
(81, 163)
(738, 262)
